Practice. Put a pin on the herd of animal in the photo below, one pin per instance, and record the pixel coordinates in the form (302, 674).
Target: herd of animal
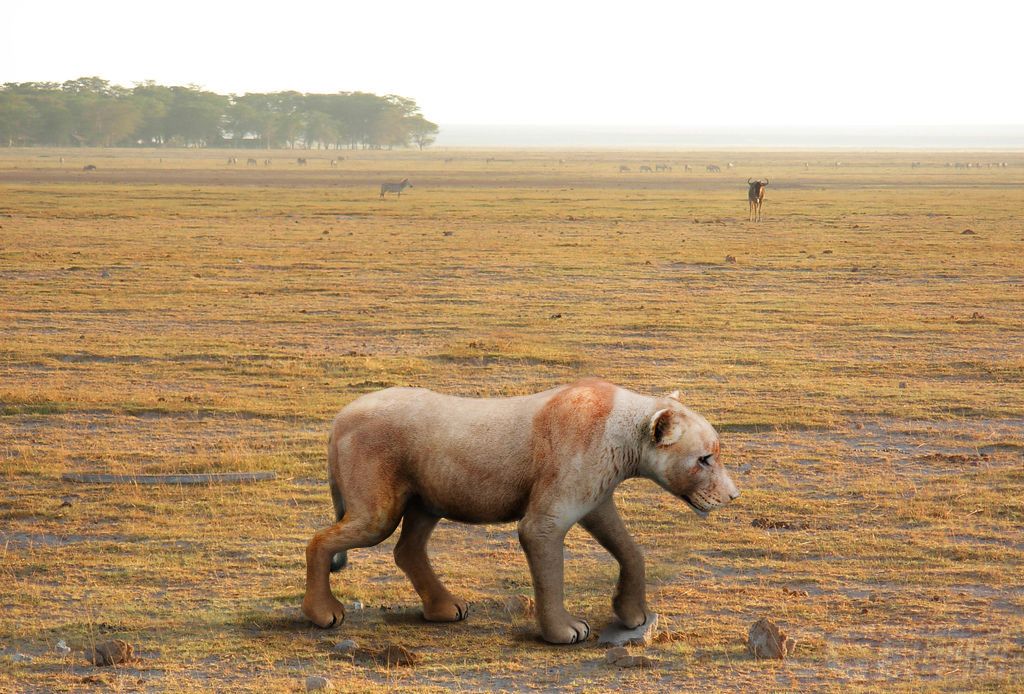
(755, 188)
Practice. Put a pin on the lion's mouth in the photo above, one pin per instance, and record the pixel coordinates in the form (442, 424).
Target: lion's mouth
(703, 513)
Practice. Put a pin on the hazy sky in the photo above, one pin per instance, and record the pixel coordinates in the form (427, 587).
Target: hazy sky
(681, 64)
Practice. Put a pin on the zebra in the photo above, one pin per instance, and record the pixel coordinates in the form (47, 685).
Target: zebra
(755, 197)
(623, 168)
(662, 167)
(646, 169)
(232, 161)
(266, 162)
(394, 187)
(301, 161)
(713, 168)
(251, 162)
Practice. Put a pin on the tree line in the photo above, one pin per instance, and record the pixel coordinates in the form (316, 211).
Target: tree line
(93, 112)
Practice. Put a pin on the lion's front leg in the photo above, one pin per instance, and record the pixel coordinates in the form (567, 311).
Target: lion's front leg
(606, 526)
(542, 540)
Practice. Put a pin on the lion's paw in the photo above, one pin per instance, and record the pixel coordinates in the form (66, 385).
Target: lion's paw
(326, 613)
(571, 630)
(632, 613)
(449, 610)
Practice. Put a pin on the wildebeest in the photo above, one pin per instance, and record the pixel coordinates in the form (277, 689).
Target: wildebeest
(713, 168)
(623, 168)
(394, 187)
(89, 167)
(755, 196)
(646, 169)
(251, 162)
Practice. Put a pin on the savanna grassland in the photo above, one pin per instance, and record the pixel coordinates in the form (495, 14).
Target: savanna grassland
(861, 354)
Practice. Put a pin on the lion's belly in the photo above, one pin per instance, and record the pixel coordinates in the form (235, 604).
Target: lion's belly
(472, 486)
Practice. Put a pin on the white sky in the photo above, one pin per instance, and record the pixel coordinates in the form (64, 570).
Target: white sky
(729, 63)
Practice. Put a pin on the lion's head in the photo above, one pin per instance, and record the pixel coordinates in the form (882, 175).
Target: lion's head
(682, 456)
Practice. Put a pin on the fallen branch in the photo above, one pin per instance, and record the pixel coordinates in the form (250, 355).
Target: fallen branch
(197, 478)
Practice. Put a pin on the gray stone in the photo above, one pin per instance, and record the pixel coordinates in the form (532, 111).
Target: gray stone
(346, 646)
(616, 634)
(316, 683)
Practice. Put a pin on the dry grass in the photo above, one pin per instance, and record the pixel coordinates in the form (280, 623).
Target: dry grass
(862, 358)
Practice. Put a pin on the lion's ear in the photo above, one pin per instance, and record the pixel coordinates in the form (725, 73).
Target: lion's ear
(674, 395)
(666, 427)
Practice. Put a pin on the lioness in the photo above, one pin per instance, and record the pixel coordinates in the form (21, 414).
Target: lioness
(548, 460)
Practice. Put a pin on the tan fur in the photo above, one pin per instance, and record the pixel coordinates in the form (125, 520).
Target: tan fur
(549, 461)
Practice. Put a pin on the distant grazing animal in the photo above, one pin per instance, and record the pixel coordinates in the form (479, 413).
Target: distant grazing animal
(251, 162)
(266, 162)
(623, 168)
(449, 160)
(662, 167)
(301, 161)
(334, 163)
(730, 165)
(62, 160)
(646, 169)
(755, 196)
(89, 167)
(713, 168)
(686, 168)
(232, 160)
(838, 164)
(548, 460)
(394, 187)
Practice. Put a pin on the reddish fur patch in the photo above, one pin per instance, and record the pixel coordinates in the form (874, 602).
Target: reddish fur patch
(570, 423)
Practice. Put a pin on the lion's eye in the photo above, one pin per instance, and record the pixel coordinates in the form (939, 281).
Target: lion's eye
(704, 460)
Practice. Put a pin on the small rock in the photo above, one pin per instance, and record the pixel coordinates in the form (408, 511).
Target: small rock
(613, 654)
(616, 634)
(827, 251)
(519, 605)
(111, 653)
(556, 315)
(21, 658)
(730, 259)
(795, 592)
(105, 274)
(346, 646)
(62, 647)
(968, 232)
(316, 683)
(903, 384)
(745, 468)
(393, 654)
(766, 640)
(447, 233)
(620, 657)
(356, 606)
(68, 500)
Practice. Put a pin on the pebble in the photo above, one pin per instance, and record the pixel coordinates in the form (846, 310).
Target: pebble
(316, 683)
(620, 657)
(62, 647)
(766, 640)
(111, 653)
(345, 647)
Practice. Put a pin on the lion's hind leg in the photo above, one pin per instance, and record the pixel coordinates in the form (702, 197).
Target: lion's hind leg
(360, 527)
(411, 556)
